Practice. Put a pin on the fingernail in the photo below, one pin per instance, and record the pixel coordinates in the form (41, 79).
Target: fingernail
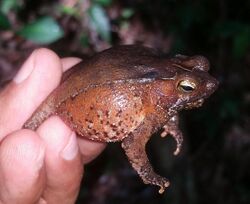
(42, 201)
(26, 69)
(71, 149)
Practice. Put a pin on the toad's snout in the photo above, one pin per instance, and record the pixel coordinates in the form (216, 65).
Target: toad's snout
(212, 85)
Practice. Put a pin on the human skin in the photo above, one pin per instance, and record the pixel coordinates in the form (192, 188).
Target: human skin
(24, 154)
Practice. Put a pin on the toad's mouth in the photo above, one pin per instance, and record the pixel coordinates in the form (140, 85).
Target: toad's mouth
(194, 104)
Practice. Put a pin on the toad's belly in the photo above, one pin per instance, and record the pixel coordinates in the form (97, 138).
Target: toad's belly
(103, 113)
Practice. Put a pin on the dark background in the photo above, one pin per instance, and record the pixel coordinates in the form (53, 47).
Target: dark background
(214, 165)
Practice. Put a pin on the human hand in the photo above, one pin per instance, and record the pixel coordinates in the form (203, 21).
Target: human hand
(45, 166)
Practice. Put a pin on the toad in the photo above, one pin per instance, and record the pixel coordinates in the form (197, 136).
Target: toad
(125, 94)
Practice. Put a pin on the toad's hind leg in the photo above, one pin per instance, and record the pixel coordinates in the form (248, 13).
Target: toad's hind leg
(134, 146)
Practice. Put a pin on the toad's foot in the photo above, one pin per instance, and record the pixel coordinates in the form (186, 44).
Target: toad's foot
(172, 128)
(134, 146)
(150, 177)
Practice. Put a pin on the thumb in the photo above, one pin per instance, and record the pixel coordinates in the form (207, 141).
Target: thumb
(38, 76)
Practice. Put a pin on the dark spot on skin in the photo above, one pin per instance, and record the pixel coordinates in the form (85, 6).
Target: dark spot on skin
(113, 126)
(72, 97)
(152, 74)
(91, 107)
(120, 123)
(118, 114)
(114, 137)
(105, 134)
(107, 113)
(101, 121)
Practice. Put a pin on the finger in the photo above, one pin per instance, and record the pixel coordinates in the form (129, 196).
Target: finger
(38, 76)
(69, 62)
(64, 168)
(21, 167)
(90, 149)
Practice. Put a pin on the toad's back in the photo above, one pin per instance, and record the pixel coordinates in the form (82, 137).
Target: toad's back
(128, 62)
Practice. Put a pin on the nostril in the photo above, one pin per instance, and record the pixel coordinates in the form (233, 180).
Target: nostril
(212, 85)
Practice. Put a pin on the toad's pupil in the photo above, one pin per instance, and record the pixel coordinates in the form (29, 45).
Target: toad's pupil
(187, 88)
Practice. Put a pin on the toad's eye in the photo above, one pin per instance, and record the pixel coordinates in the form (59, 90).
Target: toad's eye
(186, 86)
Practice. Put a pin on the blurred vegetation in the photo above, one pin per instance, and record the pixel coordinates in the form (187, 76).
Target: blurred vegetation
(214, 164)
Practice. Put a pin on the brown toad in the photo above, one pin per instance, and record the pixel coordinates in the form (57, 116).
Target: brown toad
(125, 94)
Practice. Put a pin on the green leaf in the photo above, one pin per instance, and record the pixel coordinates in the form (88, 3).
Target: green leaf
(228, 29)
(103, 2)
(100, 22)
(4, 22)
(43, 31)
(84, 40)
(241, 43)
(71, 11)
(127, 13)
(7, 5)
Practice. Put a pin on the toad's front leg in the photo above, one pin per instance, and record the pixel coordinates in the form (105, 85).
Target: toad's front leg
(134, 146)
(172, 128)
